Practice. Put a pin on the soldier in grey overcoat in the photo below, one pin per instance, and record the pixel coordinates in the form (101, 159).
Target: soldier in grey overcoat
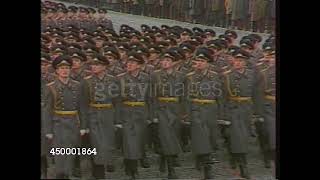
(241, 92)
(135, 100)
(101, 91)
(204, 96)
(168, 87)
(64, 118)
(267, 93)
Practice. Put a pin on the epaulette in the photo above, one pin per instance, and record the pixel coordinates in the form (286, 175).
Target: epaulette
(87, 77)
(190, 73)
(227, 72)
(156, 71)
(265, 69)
(143, 73)
(74, 81)
(213, 72)
(110, 76)
(122, 74)
(51, 83)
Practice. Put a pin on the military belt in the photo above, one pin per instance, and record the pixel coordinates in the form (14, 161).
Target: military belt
(101, 106)
(271, 98)
(168, 99)
(134, 103)
(203, 101)
(240, 99)
(66, 113)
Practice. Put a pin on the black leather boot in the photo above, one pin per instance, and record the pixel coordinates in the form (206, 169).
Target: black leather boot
(44, 167)
(171, 171)
(243, 167)
(98, 172)
(176, 162)
(162, 164)
(145, 162)
(76, 171)
(110, 167)
(208, 171)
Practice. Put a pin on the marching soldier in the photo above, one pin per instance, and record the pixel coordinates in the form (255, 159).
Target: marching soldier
(64, 114)
(46, 76)
(204, 95)
(112, 55)
(240, 87)
(266, 125)
(135, 99)
(100, 93)
(167, 109)
(78, 70)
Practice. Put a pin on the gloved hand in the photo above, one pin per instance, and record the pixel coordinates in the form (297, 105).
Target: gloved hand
(118, 126)
(49, 138)
(155, 120)
(83, 132)
(224, 122)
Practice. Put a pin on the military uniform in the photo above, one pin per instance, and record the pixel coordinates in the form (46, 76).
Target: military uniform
(266, 126)
(101, 117)
(64, 118)
(135, 101)
(268, 83)
(44, 143)
(205, 101)
(168, 110)
(240, 91)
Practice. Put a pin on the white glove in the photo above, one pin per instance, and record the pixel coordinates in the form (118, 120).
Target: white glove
(156, 120)
(118, 125)
(187, 122)
(149, 122)
(82, 132)
(49, 136)
(260, 119)
(87, 131)
(224, 122)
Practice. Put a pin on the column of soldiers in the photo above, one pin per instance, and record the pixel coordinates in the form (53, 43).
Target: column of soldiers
(161, 87)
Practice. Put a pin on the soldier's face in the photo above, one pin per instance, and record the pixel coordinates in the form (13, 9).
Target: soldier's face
(238, 63)
(134, 39)
(188, 54)
(184, 37)
(76, 63)
(44, 67)
(200, 64)
(123, 54)
(99, 43)
(247, 49)
(111, 59)
(132, 66)
(63, 71)
(167, 63)
(153, 56)
(98, 68)
(159, 38)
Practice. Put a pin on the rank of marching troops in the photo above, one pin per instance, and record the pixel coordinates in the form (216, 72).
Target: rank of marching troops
(250, 15)
(171, 89)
